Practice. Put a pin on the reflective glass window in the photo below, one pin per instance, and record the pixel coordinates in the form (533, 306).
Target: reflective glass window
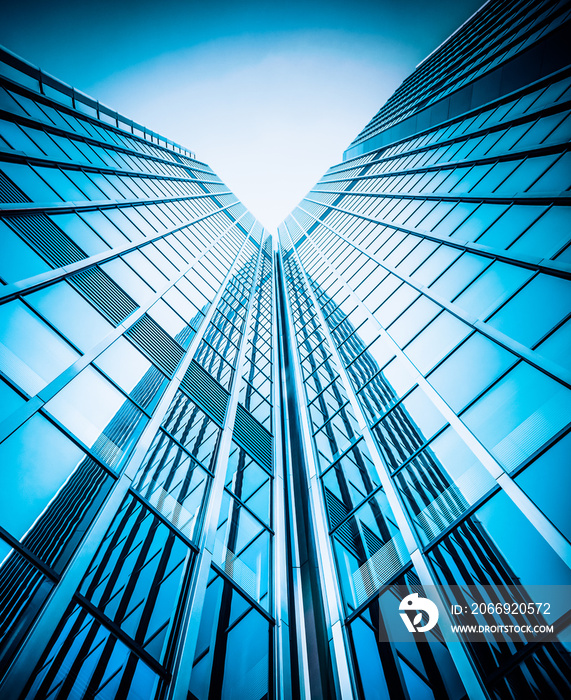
(71, 314)
(29, 182)
(543, 482)
(518, 414)
(510, 226)
(436, 340)
(547, 236)
(132, 371)
(493, 286)
(85, 237)
(35, 461)
(18, 261)
(534, 310)
(97, 414)
(469, 370)
(235, 660)
(557, 347)
(103, 666)
(31, 353)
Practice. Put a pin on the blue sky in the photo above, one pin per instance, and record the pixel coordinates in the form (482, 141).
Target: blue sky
(269, 95)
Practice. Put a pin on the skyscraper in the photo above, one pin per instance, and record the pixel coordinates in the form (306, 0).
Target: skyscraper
(226, 455)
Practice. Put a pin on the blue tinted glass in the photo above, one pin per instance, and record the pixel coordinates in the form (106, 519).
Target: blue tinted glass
(28, 181)
(31, 353)
(80, 233)
(517, 415)
(557, 179)
(494, 285)
(525, 175)
(515, 537)
(545, 238)
(534, 310)
(132, 371)
(557, 347)
(459, 275)
(18, 140)
(71, 314)
(436, 341)
(247, 658)
(547, 480)
(61, 184)
(469, 370)
(105, 228)
(10, 400)
(97, 413)
(510, 226)
(34, 463)
(368, 661)
(479, 221)
(17, 260)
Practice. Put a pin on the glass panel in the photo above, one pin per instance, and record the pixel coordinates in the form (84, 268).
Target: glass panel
(442, 482)
(103, 666)
(495, 285)
(546, 482)
(534, 310)
(71, 314)
(233, 650)
(517, 415)
(436, 340)
(133, 372)
(250, 482)
(368, 547)
(459, 275)
(28, 181)
(469, 370)
(10, 400)
(545, 238)
(97, 414)
(174, 483)
(31, 354)
(242, 549)
(494, 543)
(517, 218)
(35, 461)
(80, 233)
(136, 576)
(557, 347)
(18, 261)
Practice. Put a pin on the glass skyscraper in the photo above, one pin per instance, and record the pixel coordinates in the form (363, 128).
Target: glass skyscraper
(226, 454)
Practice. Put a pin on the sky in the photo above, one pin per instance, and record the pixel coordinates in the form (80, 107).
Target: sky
(269, 95)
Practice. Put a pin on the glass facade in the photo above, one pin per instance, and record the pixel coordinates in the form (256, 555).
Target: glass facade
(225, 454)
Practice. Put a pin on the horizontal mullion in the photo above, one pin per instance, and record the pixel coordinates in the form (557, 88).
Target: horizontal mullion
(115, 629)
(331, 417)
(500, 126)
(21, 157)
(13, 290)
(554, 268)
(74, 136)
(555, 371)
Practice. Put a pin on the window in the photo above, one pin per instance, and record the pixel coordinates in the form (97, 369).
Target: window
(31, 353)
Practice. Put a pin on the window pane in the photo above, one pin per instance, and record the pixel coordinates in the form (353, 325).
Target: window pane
(17, 260)
(31, 353)
(534, 310)
(516, 416)
(99, 415)
(497, 283)
(469, 370)
(35, 461)
(71, 314)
